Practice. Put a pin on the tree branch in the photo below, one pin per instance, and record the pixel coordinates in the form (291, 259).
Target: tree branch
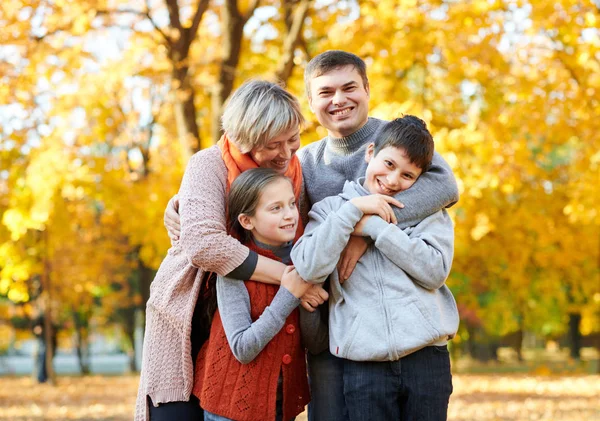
(193, 30)
(292, 40)
(173, 9)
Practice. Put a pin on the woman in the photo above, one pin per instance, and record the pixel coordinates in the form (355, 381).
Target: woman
(261, 123)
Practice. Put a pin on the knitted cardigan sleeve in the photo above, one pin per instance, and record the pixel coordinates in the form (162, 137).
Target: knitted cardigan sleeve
(202, 206)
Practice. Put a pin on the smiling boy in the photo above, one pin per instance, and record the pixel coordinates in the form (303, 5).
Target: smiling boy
(390, 320)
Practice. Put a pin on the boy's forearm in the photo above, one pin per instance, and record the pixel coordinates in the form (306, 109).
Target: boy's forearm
(317, 252)
(425, 256)
(434, 190)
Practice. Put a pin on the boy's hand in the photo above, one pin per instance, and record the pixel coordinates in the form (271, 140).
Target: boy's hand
(314, 297)
(171, 218)
(378, 204)
(356, 247)
(292, 281)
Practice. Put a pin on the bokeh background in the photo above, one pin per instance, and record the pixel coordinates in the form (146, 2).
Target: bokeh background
(102, 102)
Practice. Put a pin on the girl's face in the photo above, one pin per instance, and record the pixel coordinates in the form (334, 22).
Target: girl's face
(276, 217)
(278, 152)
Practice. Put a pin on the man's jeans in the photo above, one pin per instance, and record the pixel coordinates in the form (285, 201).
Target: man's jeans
(326, 388)
(414, 388)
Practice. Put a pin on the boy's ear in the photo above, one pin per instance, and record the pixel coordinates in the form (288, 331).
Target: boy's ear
(245, 222)
(369, 152)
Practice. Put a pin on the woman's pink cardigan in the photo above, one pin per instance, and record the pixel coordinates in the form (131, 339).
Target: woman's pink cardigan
(167, 369)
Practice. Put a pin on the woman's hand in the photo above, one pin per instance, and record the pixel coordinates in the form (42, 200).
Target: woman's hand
(314, 297)
(171, 218)
(292, 281)
(356, 247)
(378, 204)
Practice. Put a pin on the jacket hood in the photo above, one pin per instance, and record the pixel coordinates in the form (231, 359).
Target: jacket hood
(354, 189)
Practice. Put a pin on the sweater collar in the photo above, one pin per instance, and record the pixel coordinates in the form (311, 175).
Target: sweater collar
(283, 252)
(349, 144)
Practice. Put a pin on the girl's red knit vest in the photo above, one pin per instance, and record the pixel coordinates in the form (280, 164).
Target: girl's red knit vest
(247, 392)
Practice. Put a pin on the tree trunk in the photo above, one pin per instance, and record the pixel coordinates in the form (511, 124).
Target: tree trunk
(233, 31)
(129, 330)
(575, 335)
(81, 342)
(185, 111)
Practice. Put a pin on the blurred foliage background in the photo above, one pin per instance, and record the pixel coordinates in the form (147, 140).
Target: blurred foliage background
(102, 102)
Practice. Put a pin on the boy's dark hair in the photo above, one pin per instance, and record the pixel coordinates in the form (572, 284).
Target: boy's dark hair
(330, 60)
(244, 195)
(409, 133)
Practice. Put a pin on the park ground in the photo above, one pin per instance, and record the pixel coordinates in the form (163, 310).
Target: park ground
(481, 397)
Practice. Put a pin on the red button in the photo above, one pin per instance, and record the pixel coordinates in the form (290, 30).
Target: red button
(287, 358)
(290, 329)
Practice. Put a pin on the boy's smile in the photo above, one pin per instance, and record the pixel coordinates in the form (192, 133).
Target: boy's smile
(390, 171)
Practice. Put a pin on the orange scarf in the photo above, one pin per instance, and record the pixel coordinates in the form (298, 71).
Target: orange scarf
(237, 162)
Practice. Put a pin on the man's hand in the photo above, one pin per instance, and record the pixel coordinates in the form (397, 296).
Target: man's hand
(356, 247)
(171, 218)
(378, 204)
(313, 298)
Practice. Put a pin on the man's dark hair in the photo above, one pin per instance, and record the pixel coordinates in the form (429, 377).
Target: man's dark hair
(409, 133)
(330, 60)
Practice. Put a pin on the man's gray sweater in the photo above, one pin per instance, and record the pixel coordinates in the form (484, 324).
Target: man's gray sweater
(396, 301)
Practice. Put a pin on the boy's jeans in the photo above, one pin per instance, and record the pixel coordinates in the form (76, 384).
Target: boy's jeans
(414, 388)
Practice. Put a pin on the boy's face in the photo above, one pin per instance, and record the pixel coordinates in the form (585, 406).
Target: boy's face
(390, 171)
(340, 101)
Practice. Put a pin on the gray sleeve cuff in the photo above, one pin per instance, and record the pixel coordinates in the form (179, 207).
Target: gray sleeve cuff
(350, 212)
(374, 226)
(245, 271)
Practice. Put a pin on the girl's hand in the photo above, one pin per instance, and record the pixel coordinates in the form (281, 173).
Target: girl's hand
(314, 297)
(292, 281)
(171, 218)
(378, 204)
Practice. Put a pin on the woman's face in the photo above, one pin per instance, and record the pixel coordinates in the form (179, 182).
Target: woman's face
(277, 153)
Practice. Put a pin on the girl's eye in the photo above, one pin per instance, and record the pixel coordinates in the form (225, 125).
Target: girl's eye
(293, 204)
(275, 208)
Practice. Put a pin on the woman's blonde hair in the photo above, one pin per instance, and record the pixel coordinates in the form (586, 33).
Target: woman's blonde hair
(259, 111)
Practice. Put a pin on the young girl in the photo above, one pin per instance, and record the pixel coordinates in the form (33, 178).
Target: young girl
(252, 368)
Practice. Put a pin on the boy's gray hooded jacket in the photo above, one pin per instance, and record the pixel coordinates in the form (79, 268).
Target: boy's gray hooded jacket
(395, 302)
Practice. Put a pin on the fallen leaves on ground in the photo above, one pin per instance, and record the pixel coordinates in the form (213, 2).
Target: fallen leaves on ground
(490, 397)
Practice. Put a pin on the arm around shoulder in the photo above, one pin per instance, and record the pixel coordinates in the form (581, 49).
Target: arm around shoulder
(435, 189)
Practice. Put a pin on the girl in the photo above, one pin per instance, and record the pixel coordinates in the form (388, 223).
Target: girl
(252, 368)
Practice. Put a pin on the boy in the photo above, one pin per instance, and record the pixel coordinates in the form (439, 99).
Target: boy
(394, 306)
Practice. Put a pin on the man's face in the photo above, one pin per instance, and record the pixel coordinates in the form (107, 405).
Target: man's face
(340, 101)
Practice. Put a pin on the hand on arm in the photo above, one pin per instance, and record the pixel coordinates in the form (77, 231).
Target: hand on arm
(356, 247)
(378, 204)
(171, 218)
(248, 338)
(425, 255)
